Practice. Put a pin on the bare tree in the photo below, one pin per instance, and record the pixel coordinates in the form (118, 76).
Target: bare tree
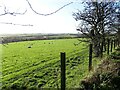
(116, 25)
(96, 20)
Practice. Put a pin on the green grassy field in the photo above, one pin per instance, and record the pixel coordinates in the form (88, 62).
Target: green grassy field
(36, 64)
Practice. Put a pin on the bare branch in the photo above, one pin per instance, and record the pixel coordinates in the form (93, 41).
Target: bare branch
(83, 31)
(48, 13)
(16, 13)
(12, 13)
(16, 24)
(7, 12)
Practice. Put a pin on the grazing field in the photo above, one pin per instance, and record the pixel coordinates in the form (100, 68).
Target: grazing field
(36, 64)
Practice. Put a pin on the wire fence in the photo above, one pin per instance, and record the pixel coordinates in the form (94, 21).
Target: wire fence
(109, 45)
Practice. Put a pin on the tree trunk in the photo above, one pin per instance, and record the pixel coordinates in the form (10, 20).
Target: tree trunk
(97, 50)
(119, 37)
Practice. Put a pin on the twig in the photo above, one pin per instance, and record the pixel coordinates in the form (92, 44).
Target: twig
(11, 13)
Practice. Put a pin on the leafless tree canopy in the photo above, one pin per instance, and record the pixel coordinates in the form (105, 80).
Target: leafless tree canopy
(97, 20)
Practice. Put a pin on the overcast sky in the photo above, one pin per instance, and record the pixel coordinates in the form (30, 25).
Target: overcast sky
(60, 22)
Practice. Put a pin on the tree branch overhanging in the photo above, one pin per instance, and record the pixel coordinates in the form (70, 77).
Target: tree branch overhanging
(7, 12)
(30, 5)
(48, 13)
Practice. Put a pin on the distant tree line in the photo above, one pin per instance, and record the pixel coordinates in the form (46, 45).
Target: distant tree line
(18, 38)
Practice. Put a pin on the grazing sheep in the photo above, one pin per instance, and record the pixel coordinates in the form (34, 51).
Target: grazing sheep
(29, 46)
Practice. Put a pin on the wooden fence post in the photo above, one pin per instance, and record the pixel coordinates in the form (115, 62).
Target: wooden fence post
(105, 45)
(114, 43)
(90, 57)
(102, 45)
(111, 45)
(63, 68)
(118, 42)
(108, 46)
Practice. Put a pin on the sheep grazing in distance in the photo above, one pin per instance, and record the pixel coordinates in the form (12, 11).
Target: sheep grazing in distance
(29, 46)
